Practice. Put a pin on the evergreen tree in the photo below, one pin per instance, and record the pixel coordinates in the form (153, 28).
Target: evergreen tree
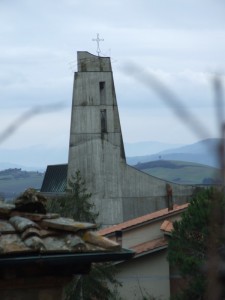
(76, 204)
(192, 238)
(94, 286)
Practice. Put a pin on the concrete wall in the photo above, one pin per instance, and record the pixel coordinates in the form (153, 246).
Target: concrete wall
(119, 191)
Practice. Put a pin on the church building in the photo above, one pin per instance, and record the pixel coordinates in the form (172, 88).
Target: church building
(96, 149)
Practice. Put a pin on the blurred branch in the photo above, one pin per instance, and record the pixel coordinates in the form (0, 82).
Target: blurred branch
(169, 97)
(219, 101)
(26, 116)
(215, 286)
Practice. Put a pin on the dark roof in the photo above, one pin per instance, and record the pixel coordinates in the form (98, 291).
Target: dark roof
(55, 179)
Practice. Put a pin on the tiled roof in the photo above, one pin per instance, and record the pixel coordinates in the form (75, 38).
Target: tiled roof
(55, 179)
(167, 226)
(24, 232)
(143, 219)
(150, 246)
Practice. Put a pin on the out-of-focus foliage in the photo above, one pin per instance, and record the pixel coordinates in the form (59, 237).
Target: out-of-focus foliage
(192, 237)
(95, 285)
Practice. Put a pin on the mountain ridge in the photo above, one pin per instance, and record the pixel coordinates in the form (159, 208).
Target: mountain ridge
(202, 152)
(38, 157)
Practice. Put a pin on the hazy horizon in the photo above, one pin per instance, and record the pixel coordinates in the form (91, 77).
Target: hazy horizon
(180, 44)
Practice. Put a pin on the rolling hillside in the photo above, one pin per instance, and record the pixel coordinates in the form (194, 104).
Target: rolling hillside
(15, 181)
(203, 152)
(180, 171)
(191, 164)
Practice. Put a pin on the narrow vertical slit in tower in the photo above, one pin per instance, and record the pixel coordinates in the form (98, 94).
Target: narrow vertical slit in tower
(103, 120)
(102, 92)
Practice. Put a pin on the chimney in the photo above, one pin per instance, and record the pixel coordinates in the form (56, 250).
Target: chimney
(169, 196)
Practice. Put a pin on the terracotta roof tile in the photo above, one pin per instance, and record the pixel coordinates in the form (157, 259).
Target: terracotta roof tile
(167, 226)
(24, 232)
(143, 219)
(150, 246)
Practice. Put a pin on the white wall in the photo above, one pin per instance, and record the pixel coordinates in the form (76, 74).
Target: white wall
(148, 275)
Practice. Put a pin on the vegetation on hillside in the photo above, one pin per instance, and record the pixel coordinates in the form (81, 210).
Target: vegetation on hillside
(181, 172)
(173, 171)
(14, 181)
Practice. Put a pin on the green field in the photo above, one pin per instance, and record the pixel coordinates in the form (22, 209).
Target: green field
(180, 172)
(14, 181)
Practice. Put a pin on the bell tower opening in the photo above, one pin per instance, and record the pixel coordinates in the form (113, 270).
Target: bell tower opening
(102, 92)
(103, 120)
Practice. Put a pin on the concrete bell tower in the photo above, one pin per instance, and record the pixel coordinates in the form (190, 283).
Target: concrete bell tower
(96, 143)
(119, 191)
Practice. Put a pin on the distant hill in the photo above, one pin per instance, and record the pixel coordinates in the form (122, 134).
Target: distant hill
(203, 152)
(180, 172)
(15, 181)
(34, 158)
(186, 165)
(147, 148)
(6, 165)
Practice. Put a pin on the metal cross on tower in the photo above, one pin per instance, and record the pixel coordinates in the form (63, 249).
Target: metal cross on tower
(98, 40)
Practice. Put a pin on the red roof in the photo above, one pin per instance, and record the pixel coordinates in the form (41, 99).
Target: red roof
(143, 219)
(167, 226)
(149, 246)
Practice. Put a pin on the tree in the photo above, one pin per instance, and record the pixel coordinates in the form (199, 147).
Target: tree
(193, 239)
(76, 204)
(94, 286)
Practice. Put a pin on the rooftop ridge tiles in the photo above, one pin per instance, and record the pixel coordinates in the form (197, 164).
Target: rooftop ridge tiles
(67, 224)
(24, 231)
(34, 216)
(167, 226)
(150, 245)
(6, 209)
(145, 218)
(21, 224)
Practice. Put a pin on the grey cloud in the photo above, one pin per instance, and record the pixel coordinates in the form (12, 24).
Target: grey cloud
(39, 40)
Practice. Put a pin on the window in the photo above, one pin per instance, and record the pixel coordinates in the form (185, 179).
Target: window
(103, 120)
(102, 92)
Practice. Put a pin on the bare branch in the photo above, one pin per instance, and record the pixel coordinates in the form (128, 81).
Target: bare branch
(26, 116)
(169, 98)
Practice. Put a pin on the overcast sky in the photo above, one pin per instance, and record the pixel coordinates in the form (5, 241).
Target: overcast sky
(179, 42)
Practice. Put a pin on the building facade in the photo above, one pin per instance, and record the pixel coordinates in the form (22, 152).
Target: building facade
(119, 191)
(148, 273)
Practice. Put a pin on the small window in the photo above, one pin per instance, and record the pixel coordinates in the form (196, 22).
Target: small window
(102, 92)
(101, 85)
(103, 120)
